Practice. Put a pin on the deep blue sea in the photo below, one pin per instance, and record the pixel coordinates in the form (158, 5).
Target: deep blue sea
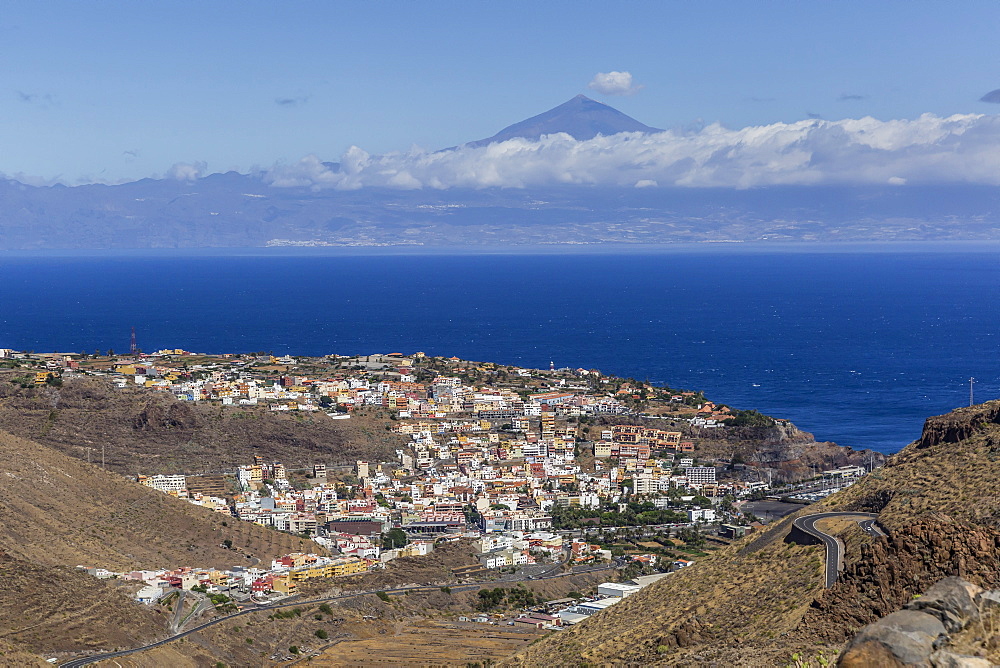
(857, 348)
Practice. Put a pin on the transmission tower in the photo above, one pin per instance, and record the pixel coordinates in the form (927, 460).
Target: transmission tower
(971, 382)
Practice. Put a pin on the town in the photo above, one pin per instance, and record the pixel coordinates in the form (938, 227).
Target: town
(537, 468)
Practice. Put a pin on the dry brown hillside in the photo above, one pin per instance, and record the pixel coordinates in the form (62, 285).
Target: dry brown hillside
(733, 607)
(11, 655)
(952, 472)
(419, 629)
(142, 431)
(55, 609)
(761, 601)
(59, 511)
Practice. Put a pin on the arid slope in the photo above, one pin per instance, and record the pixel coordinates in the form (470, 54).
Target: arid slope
(761, 601)
(141, 431)
(56, 510)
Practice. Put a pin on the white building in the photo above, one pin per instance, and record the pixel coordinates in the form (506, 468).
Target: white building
(149, 594)
(646, 484)
(170, 484)
(701, 515)
(617, 589)
(492, 542)
(700, 475)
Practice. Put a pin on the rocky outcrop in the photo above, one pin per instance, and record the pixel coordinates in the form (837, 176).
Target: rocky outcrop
(891, 570)
(958, 425)
(157, 416)
(919, 635)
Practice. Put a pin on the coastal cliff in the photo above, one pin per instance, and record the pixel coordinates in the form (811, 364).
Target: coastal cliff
(960, 424)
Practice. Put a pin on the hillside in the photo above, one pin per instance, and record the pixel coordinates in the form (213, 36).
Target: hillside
(951, 472)
(14, 656)
(50, 609)
(761, 601)
(145, 432)
(56, 510)
(420, 628)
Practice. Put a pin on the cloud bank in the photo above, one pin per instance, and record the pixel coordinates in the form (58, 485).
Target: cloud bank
(929, 149)
(613, 83)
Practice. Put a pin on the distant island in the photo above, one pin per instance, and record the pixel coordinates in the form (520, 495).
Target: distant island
(319, 204)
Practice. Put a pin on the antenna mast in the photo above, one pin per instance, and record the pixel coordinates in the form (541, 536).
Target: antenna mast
(134, 347)
(971, 381)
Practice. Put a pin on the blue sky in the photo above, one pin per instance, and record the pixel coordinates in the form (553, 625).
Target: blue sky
(113, 90)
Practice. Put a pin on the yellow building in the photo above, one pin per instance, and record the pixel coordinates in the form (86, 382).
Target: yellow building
(338, 568)
(284, 585)
(349, 566)
(219, 578)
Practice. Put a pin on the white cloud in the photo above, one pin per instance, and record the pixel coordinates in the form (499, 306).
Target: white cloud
(307, 172)
(187, 171)
(613, 83)
(928, 149)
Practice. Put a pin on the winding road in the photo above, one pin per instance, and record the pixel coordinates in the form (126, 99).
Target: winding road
(835, 548)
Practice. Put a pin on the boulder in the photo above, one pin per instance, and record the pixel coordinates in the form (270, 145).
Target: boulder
(988, 599)
(944, 659)
(952, 600)
(908, 636)
(867, 654)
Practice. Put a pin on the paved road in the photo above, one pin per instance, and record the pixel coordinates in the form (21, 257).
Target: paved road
(834, 548)
(870, 528)
(79, 663)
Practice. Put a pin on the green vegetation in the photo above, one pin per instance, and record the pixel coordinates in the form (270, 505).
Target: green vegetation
(382, 595)
(750, 418)
(322, 635)
(287, 614)
(517, 597)
(394, 538)
(222, 602)
(691, 536)
(635, 514)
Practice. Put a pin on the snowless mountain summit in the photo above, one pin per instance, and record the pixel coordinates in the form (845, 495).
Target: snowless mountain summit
(581, 118)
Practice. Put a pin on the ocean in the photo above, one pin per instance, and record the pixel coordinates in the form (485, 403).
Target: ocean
(857, 348)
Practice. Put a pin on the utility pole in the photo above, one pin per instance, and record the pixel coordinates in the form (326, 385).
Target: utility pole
(971, 381)
(102, 456)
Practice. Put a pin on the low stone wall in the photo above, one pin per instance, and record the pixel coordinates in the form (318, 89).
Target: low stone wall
(919, 634)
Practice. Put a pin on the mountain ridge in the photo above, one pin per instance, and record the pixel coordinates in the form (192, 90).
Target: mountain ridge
(243, 211)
